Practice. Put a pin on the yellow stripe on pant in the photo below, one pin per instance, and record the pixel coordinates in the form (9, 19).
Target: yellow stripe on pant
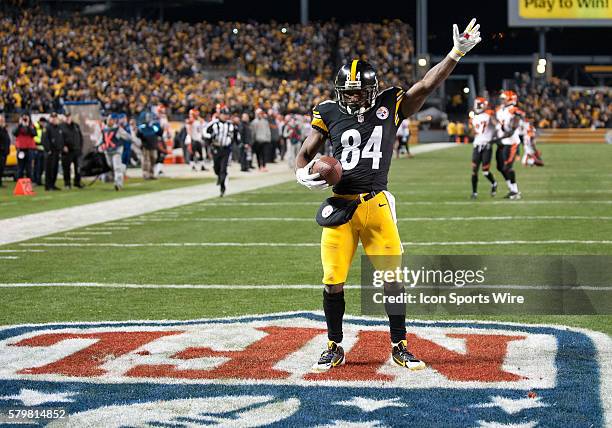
(373, 223)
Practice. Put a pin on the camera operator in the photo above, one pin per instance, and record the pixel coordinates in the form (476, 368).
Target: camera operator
(25, 145)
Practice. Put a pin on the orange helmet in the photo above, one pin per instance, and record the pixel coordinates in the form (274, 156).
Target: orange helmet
(480, 104)
(509, 98)
(194, 113)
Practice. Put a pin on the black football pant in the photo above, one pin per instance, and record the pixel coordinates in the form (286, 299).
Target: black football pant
(69, 159)
(504, 157)
(51, 167)
(481, 155)
(221, 157)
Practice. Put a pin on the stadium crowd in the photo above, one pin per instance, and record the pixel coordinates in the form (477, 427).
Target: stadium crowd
(554, 104)
(128, 65)
(131, 65)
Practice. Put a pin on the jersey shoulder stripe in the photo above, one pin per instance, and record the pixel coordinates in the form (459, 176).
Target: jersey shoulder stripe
(320, 115)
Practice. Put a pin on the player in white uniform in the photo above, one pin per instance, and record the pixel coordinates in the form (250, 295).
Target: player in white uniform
(196, 127)
(484, 124)
(532, 155)
(508, 117)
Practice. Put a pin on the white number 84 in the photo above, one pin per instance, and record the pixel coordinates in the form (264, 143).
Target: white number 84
(351, 140)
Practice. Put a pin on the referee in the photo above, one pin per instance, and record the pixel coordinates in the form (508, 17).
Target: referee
(222, 134)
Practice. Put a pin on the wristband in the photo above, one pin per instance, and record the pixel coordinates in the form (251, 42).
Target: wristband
(456, 54)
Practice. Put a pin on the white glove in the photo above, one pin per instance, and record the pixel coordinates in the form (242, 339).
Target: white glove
(464, 42)
(305, 178)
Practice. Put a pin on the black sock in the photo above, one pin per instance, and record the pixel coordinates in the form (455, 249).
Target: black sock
(396, 313)
(512, 176)
(474, 183)
(333, 306)
(490, 177)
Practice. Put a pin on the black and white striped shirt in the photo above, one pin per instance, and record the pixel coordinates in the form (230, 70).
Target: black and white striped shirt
(222, 134)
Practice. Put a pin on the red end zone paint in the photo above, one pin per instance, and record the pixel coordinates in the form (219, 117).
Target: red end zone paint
(482, 361)
(256, 361)
(87, 362)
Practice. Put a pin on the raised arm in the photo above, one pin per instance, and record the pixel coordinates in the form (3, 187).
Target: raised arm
(462, 44)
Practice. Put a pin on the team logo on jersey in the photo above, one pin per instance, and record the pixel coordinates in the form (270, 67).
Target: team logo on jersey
(382, 113)
(326, 212)
(255, 371)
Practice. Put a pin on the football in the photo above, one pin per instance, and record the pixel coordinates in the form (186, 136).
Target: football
(329, 169)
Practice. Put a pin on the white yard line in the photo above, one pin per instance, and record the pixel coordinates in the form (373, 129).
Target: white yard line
(276, 286)
(31, 226)
(64, 238)
(305, 244)
(488, 202)
(9, 257)
(309, 219)
(23, 251)
(89, 233)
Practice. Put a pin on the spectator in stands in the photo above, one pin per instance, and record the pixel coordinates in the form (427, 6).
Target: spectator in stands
(53, 142)
(554, 104)
(39, 153)
(73, 149)
(262, 136)
(5, 146)
(24, 143)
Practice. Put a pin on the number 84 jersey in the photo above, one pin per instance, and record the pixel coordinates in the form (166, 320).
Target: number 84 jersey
(363, 144)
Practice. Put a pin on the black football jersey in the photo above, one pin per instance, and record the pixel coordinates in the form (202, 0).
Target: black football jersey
(363, 144)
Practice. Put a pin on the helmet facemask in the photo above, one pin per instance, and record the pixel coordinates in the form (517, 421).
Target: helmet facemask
(355, 98)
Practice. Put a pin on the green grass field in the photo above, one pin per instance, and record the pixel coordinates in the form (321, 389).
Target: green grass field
(269, 236)
(11, 206)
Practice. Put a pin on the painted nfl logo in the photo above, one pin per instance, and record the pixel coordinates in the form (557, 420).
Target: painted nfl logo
(196, 373)
(382, 113)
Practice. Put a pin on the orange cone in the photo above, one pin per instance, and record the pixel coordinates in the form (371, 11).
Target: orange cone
(23, 187)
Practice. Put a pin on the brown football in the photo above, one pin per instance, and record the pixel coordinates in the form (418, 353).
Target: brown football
(329, 169)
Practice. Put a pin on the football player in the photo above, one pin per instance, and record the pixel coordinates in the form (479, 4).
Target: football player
(195, 139)
(532, 155)
(362, 124)
(509, 120)
(484, 125)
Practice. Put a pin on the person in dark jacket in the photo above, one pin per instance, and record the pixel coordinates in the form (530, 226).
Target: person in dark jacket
(246, 142)
(5, 146)
(25, 145)
(53, 142)
(149, 132)
(73, 148)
